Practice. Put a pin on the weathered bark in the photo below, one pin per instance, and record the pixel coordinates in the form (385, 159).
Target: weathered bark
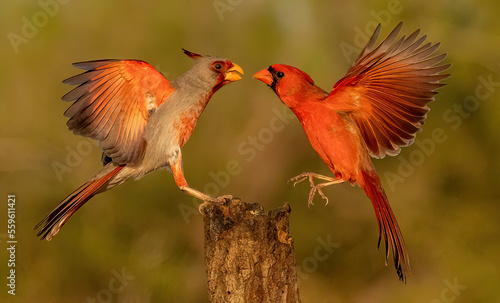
(249, 254)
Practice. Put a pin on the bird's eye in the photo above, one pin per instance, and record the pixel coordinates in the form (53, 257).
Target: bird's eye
(280, 75)
(217, 66)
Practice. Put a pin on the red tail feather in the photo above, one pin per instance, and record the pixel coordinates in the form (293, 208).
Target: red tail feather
(51, 225)
(387, 223)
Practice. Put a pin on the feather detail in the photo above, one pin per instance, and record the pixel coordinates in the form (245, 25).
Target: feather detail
(387, 224)
(112, 104)
(51, 224)
(387, 89)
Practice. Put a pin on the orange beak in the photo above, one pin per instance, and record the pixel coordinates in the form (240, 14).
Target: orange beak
(264, 76)
(234, 73)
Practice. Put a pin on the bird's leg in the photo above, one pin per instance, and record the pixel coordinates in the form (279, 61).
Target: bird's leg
(207, 199)
(299, 178)
(181, 182)
(315, 188)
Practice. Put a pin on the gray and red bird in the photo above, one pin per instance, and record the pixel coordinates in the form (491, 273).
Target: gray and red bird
(376, 109)
(140, 119)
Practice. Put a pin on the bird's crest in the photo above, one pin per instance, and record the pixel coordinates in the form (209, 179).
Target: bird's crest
(191, 55)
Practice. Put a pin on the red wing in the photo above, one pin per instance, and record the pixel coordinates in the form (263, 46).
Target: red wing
(386, 90)
(113, 101)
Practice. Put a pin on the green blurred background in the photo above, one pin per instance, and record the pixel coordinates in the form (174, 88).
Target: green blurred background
(444, 191)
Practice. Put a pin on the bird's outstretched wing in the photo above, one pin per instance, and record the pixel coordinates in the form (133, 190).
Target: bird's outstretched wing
(113, 101)
(387, 89)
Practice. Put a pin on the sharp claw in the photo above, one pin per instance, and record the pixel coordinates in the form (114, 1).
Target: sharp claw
(297, 179)
(323, 196)
(311, 197)
(297, 182)
(201, 207)
(312, 193)
(310, 202)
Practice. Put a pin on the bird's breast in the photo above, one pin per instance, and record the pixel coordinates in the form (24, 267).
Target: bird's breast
(185, 124)
(170, 127)
(336, 141)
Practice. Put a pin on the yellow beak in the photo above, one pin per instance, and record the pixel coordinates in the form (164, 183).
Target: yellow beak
(234, 73)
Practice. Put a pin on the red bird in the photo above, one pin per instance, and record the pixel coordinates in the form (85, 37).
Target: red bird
(140, 119)
(376, 109)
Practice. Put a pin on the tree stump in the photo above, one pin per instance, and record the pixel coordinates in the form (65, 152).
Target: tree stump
(249, 254)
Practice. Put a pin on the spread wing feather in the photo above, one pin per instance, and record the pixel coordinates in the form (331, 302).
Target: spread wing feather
(111, 104)
(387, 89)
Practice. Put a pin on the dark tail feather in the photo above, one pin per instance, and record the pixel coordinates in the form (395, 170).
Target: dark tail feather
(388, 226)
(51, 225)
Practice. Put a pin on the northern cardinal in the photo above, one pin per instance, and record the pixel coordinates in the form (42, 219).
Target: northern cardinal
(140, 119)
(376, 109)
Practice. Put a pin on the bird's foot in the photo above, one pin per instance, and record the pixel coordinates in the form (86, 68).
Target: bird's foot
(312, 193)
(315, 188)
(204, 197)
(211, 199)
(299, 178)
(223, 198)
